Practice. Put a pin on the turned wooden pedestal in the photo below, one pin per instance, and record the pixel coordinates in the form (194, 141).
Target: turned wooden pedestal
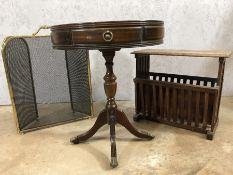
(108, 37)
(111, 115)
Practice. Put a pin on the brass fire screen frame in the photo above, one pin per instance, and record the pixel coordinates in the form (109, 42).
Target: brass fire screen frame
(78, 78)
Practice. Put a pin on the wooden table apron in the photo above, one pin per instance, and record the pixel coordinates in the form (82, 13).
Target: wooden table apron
(109, 37)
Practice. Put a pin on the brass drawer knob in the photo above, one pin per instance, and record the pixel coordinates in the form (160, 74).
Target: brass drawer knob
(107, 36)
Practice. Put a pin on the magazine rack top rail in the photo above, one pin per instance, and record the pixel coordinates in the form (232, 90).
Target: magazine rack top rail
(109, 37)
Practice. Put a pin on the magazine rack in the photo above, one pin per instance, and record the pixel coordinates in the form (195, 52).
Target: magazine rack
(184, 101)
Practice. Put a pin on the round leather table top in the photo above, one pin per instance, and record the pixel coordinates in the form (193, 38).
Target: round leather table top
(107, 35)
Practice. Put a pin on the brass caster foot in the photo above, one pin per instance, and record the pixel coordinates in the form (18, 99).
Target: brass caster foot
(74, 140)
(149, 136)
(114, 162)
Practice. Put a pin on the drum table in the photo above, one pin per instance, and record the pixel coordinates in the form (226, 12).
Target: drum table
(108, 37)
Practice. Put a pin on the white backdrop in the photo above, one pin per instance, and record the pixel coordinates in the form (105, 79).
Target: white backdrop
(189, 24)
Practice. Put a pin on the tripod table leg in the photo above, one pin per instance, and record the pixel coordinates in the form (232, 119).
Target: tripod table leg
(112, 122)
(123, 120)
(100, 121)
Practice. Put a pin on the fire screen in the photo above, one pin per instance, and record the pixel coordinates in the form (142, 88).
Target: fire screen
(47, 86)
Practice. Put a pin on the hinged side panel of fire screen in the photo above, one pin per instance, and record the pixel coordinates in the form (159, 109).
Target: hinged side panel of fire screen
(47, 86)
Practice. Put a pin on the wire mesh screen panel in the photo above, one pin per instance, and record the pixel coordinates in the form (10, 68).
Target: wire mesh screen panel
(78, 74)
(19, 74)
(48, 86)
(49, 71)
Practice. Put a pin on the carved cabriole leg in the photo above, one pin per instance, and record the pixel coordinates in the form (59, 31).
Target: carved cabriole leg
(123, 120)
(100, 121)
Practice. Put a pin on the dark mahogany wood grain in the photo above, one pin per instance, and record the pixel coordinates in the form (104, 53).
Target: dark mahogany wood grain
(109, 37)
(90, 35)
